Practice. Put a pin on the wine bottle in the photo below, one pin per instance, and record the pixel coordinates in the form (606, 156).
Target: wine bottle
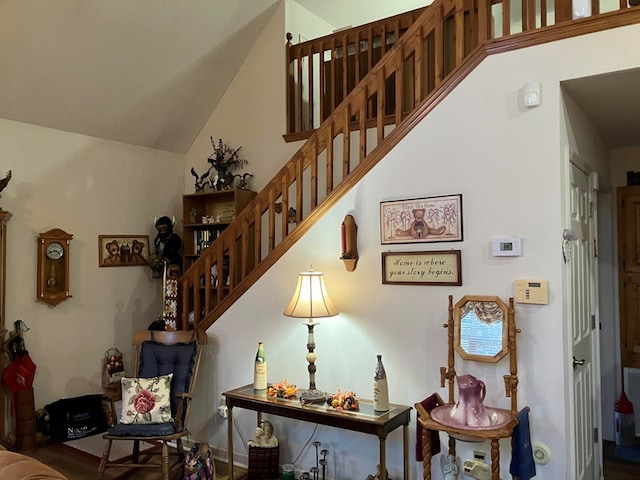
(260, 370)
(380, 388)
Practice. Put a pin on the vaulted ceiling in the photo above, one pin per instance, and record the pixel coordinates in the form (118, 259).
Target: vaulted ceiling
(150, 72)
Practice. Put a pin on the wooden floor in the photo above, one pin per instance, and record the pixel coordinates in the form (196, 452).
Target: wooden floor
(82, 467)
(79, 467)
(616, 468)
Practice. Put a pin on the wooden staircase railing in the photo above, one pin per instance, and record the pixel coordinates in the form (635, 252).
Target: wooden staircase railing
(435, 53)
(322, 72)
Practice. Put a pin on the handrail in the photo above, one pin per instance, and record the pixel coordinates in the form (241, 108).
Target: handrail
(427, 62)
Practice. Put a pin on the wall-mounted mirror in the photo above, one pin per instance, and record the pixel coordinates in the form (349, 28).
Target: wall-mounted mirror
(480, 328)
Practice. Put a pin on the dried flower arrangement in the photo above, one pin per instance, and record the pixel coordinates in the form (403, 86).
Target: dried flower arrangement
(282, 389)
(225, 161)
(344, 400)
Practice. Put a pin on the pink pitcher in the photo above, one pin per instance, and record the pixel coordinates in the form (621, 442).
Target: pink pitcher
(470, 412)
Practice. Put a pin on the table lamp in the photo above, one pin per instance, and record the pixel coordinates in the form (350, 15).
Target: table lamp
(311, 301)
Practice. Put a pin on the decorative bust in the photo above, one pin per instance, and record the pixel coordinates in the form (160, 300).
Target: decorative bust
(264, 437)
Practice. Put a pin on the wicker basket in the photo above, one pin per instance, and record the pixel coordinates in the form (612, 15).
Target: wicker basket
(264, 463)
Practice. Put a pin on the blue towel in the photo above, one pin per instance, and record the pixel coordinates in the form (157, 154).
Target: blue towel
(522, 465)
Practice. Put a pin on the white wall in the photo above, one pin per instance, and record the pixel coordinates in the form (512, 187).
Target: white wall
(509, 171)
(87, 187)
(251, 113)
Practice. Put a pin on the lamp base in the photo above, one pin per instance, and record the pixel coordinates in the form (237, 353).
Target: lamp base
(312, 396)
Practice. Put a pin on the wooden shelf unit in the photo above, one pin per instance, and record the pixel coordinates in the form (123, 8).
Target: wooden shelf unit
(220, 207)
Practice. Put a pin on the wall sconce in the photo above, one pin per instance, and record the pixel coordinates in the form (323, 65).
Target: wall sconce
(349, 243)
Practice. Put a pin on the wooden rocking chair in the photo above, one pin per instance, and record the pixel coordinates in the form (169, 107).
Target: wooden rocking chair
(159, 353)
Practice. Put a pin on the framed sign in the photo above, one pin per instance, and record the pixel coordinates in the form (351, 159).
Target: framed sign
(422, 268)
(123, 250)
(421, 220)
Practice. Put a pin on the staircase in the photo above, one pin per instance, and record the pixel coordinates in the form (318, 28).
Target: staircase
(447, 40)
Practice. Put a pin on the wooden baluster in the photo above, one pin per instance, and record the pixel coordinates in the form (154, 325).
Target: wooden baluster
(506, 17)
(345, 67)
(298, 90)
(332, 106)
(459, 28)
(399, 84)
(543, 12)
(299, 187)
(357, 76)
(285, 204)
(313, 156)
(484, 15)
(418, 75)
(310, 96)
(528, 15)
(257, 233)
(289, 76)
(329, 158)
(208, 287)
(380, 104)
(362, 127)
(323, 86)
(346, 140)
(271, 199)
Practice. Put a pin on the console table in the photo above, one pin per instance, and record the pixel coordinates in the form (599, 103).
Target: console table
(365, 420)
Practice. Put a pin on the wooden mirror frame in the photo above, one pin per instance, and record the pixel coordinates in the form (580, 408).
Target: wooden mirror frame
(457, 316)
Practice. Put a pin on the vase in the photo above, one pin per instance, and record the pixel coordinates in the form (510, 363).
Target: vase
(469, 411)
(260, 369)
(380, 388)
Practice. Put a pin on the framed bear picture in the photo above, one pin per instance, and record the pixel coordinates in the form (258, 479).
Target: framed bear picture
(421, 220)
(123, 250)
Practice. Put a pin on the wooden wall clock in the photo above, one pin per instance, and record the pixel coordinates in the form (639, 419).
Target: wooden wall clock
(53, 266)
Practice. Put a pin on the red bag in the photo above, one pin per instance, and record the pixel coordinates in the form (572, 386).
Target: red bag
(19, 374)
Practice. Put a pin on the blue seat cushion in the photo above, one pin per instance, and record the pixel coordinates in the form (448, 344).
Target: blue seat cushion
(160, 359)
(142, 430)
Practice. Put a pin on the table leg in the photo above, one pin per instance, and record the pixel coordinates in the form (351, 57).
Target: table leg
(405, 450)
(230, 442)
(383, 459)
(495, 459)
(426, 454)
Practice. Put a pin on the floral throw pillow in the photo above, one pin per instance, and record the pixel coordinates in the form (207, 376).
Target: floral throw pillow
(146, 400)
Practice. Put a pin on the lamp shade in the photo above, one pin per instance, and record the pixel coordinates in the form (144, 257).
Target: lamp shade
(310, 299)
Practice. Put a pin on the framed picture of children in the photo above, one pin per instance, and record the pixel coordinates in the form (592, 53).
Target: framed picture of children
(421, 220)
(123, 250)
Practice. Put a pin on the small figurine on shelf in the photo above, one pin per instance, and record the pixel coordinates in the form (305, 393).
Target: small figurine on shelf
(201, 180)
(242, 183)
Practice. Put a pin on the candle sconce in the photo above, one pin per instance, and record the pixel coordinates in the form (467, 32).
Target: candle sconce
(349, 243)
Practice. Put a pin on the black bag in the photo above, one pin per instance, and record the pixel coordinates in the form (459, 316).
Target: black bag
(78, 417)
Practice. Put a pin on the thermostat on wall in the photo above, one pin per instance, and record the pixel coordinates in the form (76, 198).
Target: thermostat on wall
(506, 247)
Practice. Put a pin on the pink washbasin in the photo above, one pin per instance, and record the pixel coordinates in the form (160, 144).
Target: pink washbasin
(498, 418)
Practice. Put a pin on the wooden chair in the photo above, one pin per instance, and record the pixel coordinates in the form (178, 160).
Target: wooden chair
(160, 353)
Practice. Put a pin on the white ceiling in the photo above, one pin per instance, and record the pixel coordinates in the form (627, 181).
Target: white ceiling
(150, 72)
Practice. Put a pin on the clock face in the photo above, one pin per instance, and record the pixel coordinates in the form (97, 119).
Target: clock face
(55, 251)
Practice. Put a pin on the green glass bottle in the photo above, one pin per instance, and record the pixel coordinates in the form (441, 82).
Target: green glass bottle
(260, 370)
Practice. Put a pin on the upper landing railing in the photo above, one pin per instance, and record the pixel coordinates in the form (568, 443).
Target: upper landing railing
(322, 72)
(447, 40)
